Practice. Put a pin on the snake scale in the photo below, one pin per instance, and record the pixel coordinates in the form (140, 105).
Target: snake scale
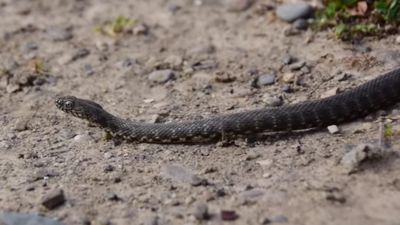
(378, 93)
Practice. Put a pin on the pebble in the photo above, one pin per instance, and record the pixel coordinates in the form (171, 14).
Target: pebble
(126, 63)
(287, 88)
(174, 61)
(252, 195)
(141, 29)
(88, 70)
(53, 199)
(161, 76)
(398, 40)
(291, 12)
(336, 196)
(81, 53)
(238, 5)
(266, 79)
(333, 129)
(21, 124)
(14, 218)
(288, 59)
(355, 155)
(181, 174)
(272, 100)
(108, 168)
(228, 215)
(201, 212)
(288, 77)
(343, 76)
(279, 219)
(59, 34)
(82, 138)
(330, 92)
(300, 24)
(297, 66)
(113, 197)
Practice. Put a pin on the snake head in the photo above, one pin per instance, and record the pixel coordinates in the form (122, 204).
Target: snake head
(80, 108)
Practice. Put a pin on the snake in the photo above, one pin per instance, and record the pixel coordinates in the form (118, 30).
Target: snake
(373, 95)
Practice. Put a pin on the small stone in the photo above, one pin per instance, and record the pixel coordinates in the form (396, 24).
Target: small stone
(59, 34)
(108, 168)
(279, 219)
(53, 199)
(288, 77)
(266, 162)
(12, 88)
(272, 100)
(201, 212)
(287, 88)
(229, 215)
(81, 53)
(21, 124)
(126, 63)
(224, 77)
(294, 11)
(266, 79)
(398, 40)
(297, 65)
(336, 196)
(182, 174)
(88, 70)
(202, 50)
(141, 29)
(333, 129)
(113, 197)
(265, 221)
(174, 61)
(238, 5)
(355, 155)
(82, 138)
(330, 92)
(288, 59)
(13, 218)
(300, 24)
(343, 76)
(161, 76)
(252, 156)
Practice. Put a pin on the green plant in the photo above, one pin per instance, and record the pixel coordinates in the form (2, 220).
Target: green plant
(115, 27)
(357, 18)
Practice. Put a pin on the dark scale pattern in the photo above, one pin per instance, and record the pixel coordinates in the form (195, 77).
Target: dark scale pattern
(358, 102)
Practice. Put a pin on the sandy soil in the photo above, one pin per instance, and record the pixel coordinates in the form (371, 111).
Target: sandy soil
(49, 48)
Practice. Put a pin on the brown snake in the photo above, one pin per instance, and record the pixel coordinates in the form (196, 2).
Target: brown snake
(378, 93)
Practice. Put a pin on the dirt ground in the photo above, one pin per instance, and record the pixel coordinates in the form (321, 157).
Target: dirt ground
(49, 48)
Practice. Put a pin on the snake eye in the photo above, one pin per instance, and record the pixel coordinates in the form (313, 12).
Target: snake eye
(68, 105)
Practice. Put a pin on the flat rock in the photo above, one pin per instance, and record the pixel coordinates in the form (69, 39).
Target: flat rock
(293, 11)
(161, 76)
(266, 79)
(13, 218)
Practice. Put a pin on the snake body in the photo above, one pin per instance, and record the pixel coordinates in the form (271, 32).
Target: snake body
(378, 93)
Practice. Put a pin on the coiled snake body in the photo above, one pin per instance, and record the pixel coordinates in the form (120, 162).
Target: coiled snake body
(376, 94)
